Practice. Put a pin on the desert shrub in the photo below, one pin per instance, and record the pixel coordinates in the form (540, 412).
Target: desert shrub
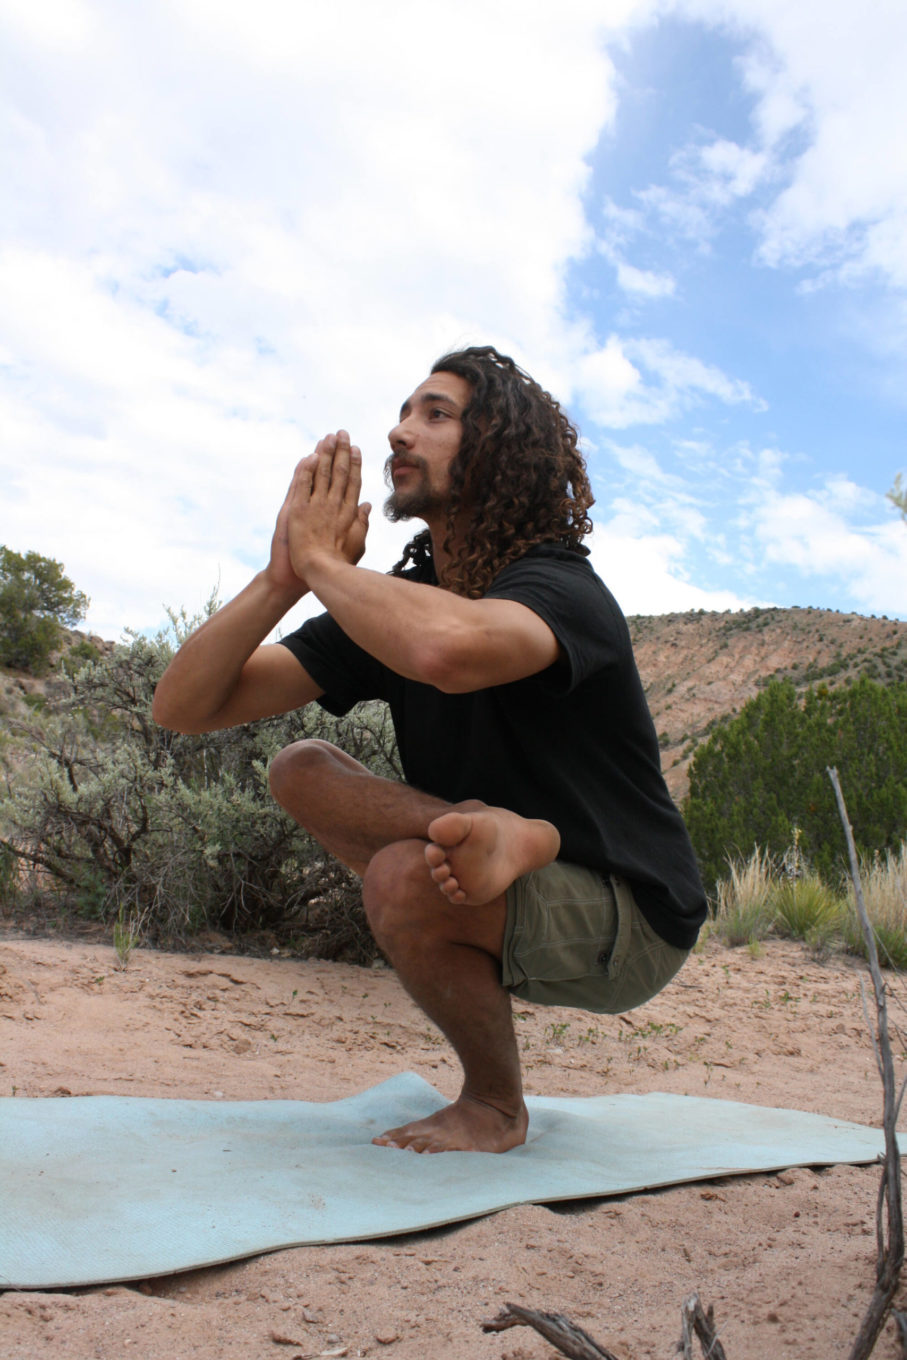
(743, 911)
(884, 882)
(762, 773)
(806, 909)
(79, 655)
(120, 819)
(36, 602)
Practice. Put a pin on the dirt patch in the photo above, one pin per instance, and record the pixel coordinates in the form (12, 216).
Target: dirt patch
(787, 1260)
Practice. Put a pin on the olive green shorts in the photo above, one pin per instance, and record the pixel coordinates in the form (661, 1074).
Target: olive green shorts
(577, 938)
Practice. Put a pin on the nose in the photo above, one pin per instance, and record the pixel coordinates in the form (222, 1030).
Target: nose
(400, 437)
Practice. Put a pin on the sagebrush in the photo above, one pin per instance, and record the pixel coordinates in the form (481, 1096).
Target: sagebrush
(118, 819)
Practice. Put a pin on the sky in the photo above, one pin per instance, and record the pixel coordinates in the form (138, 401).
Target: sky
(228, 229)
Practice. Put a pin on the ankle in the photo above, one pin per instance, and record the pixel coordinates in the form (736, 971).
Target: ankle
(512, 1110)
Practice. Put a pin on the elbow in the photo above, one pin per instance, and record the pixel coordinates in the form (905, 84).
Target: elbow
(166, 714)
(163, 716)
(445, 666)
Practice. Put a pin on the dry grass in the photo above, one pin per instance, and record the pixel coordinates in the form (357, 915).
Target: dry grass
(884, 880)
(743, 912)
(761, 897)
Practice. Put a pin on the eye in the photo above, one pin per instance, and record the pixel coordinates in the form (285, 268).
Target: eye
(437, 411)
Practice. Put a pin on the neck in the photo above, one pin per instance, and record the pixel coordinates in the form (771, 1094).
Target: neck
(437, 527)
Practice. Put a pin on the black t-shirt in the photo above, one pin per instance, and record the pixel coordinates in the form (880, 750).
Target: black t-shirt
(574, 744)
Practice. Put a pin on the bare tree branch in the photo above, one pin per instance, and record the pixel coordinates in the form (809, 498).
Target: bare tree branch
(703, 1324)
(569, 1339)
(890, 1236)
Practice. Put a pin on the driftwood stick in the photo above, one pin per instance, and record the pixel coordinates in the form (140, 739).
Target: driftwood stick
(890, 1234)
(563, 1334)
(901, 1324)
(695, 1320)
(576, 1344)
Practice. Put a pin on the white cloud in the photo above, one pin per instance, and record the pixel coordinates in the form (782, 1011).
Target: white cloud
(231, 229)
(707, 179)
(647, 381)
(644, 283)
(645, 571)
(831, 108)
(841, 533)
(639, 283)
(731, 171)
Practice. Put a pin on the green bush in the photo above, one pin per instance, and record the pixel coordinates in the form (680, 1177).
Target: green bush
(120, 819)
(762, 774)
(805, 909)
(36, 602)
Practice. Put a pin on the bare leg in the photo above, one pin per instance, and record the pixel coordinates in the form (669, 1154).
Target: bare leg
(441, 931)
(352, 812)
(448, 959)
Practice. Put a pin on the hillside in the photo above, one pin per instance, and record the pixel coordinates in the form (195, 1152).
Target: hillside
(697, 668)
(20, 692)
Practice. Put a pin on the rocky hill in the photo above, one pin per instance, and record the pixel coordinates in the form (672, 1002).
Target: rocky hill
(697, 668)
(19, 691)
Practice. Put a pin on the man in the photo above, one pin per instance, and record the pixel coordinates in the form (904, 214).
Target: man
(534, 848)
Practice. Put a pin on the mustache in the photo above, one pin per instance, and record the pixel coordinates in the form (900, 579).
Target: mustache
(395, 460)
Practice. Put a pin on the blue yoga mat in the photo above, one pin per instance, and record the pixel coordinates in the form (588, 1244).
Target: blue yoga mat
(104, 1188)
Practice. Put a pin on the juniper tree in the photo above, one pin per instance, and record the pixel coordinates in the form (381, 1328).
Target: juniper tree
(761, 775)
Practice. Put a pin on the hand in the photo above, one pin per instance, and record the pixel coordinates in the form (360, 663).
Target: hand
(321, 512)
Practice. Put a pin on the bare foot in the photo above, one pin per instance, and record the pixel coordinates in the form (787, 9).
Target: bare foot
(474, 856)
(469, 1125)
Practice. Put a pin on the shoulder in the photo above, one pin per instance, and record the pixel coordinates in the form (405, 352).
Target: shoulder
(547, 569)
(563, 589)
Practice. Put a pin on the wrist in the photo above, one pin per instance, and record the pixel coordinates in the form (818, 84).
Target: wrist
(281, 594)
(319, 564)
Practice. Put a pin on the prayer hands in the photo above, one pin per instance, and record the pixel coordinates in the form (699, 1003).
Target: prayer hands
(321, 513)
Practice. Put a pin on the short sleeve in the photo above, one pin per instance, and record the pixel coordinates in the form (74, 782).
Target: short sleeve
(345, 672)
(561, 587)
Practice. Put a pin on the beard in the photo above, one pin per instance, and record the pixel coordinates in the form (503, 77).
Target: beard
(410, 502)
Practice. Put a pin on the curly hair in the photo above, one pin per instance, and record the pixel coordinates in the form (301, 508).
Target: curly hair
(517, 480)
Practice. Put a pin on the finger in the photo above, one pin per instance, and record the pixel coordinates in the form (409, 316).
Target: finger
(324, 454)
(340, 474)
(303, 477)
(354, 482)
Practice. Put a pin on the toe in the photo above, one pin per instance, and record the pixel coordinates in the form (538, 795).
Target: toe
(435, 855)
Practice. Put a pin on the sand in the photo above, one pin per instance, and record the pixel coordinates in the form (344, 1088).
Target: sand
(786, 1260)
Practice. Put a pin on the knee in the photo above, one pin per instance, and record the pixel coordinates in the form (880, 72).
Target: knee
(294, 770)
(393, 888)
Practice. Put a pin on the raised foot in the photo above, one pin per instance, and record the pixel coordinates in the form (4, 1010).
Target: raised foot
(468, 1125)
(475, 855)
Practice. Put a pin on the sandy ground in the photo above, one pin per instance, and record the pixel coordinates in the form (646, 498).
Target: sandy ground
(787, 1260)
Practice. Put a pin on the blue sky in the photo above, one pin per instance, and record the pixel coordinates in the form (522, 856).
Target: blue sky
(230, 228)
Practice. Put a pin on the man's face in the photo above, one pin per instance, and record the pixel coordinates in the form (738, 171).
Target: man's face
(423, 446)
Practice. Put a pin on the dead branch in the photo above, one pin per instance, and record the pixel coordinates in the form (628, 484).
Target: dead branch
(890, 1235)
(901, 1324)
(703, 1324)
(576, 1344)
(569, 1339)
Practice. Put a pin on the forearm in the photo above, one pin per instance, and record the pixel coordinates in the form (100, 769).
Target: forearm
(410, 627)
(205, 672)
